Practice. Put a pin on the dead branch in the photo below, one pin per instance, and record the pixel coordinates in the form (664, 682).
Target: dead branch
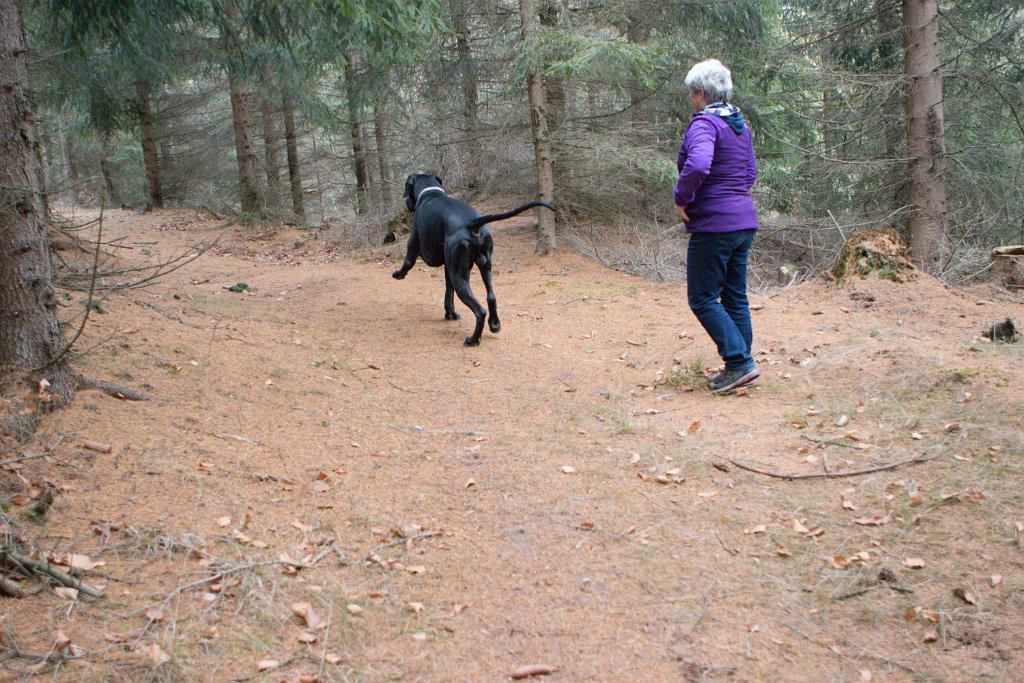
(44, 567)
(828, 475)
(10, 589)
(401, 541)
(115, 390)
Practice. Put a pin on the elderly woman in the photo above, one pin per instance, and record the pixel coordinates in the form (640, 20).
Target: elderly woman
(712, 196)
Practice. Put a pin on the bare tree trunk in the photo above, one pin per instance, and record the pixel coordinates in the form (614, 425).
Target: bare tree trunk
(272, 150)
(292, 148)
(383, 160)
(468, 152)
(554, 86)
(37, 151)
(359, 162)
(245, 151)
(154, 193)
(926, 138)
(113, 196)
(30, 332)
(546, 241)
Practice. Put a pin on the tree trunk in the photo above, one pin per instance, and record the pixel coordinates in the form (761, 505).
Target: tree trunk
(154, 193)
(926, 139)
(546, 241)
(113, 196)
(554, 86)
(359, 162)
(30, 330)
(272, 150)
(383, 164)
(468, 149)
(73, 179)
(37, 151)
(245, 151)
(292, 148)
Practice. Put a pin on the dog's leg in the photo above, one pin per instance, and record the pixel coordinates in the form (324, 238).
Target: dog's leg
(483, 262)
(412, 250)
(449, 296)
(462, 264)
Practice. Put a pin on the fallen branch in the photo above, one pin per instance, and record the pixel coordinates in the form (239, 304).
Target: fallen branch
(115, 390)
(44, 567)
(827, 475)
(401, 541)
(10, 589)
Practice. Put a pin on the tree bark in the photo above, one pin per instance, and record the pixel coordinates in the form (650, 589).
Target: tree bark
(245, 151)
(30, 330)
(926, 139)
(546, 241)
(380, 133)
(469, 80)
(113, 196)
(272, 151)
(359, 161)
(294, 167)
(154, 191)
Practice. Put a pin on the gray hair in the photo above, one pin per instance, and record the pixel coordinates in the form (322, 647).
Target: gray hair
(713, 78)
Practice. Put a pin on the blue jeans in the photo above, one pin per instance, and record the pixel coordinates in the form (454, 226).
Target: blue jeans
(716, 283)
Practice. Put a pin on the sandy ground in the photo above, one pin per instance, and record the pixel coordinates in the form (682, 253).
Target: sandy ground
(560, 495)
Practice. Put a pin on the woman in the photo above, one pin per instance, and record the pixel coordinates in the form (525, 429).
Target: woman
(712, 196)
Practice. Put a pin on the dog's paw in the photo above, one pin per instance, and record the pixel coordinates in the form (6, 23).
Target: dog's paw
(451, 315)
(398, 274)
(494, 325)
(471, 341)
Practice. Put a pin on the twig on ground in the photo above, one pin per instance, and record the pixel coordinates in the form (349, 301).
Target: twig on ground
(828, 442)
(44, 567)
(401, 541)
(826, 475)
(727, 548)
(417, 428)
(111, 389)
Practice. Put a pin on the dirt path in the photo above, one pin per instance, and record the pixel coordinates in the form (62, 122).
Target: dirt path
(554, 496)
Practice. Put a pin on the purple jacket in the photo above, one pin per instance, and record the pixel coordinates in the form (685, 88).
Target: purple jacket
(716, 171)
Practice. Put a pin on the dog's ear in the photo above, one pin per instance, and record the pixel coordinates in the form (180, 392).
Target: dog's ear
(410, 200)
(438, 179)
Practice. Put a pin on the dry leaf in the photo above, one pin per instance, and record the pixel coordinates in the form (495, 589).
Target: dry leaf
(267, 665)
(847, 503)
(319, 487)
(759, 529)
(307, 638)
(839, 562)
(865, 675)
(415, 607)
(469, 483)
(877, 520)
(66, 593)
(798, 526)
(416, 569)
(224, 521)
(157, 654)
(530, 670)
(917, 436)
(783, 551)
(694, 426)
(966, 595)
(995, 580)
(354, 609)
(912, 613)
(332, 658)
(913, 563)
(930, 637)
(568, 469)
(155, 613)
(305, 611)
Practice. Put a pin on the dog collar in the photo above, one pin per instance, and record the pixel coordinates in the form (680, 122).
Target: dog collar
(423, 192)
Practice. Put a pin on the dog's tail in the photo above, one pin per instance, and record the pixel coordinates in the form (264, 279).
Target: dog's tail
(477, 223)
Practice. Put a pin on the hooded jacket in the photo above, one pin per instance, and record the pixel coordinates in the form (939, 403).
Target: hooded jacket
(716, 171)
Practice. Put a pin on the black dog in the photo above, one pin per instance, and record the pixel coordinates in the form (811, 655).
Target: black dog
(451, 233)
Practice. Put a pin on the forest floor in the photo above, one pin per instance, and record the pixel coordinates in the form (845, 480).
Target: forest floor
(326, 485)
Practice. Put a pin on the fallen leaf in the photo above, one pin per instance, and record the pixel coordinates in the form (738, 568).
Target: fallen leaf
(530, 670)
(82, 562)
(783, 551)
(305, 611)
(157, 654)
(568, 469)
(913, 563)
(354, 609)
(930, 637)
(877, 520)
(798, 526)
(912, 613)
(694, 426)
(847, 503)
(416, 569)
(865, 675)
(267, 665)
(995, 580)
(66, 593)
(155, 613)
(759, 529)
(839, 562)
(917, 436)
(469, 483)
(966, 595)
(415, 607)
(332, 658)
(307, 638)
(224, 521)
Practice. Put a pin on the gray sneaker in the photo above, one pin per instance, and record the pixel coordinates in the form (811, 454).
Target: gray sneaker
(734, 379)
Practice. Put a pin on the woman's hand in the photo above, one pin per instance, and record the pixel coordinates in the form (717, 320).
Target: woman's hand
(681, 212)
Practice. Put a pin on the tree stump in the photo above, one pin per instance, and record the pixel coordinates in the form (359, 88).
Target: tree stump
(1008, 265)
(882, 252)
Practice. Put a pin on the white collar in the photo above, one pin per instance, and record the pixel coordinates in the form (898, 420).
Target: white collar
(423, 192)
